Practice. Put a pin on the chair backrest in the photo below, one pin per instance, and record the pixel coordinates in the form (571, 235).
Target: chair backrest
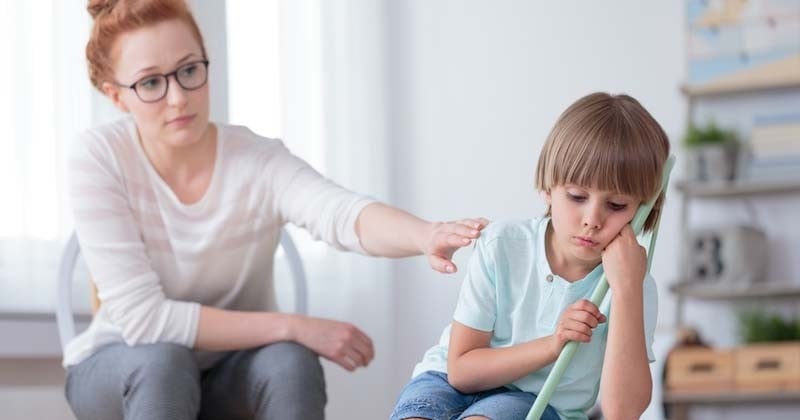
(69, 258)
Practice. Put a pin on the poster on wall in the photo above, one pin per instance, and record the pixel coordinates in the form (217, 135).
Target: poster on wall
(749, 51)
(743, 44)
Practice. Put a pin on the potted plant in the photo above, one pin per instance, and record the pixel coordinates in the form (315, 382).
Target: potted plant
(760, 327)
(712, 153)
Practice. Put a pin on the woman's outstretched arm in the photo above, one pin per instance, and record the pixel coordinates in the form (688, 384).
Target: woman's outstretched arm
(390, 232)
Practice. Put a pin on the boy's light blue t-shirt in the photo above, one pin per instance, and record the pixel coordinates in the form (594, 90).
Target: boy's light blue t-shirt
(510, 290)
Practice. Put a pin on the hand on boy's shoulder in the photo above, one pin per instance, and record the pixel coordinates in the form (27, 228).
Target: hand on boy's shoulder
(510, 229)
(446, 238)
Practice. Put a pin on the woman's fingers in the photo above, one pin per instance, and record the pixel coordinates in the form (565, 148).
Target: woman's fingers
(467, 228)
(442, 264)
(456, 241)
(448, 237)
(475, 223)
(458, 230)
(358, 353)
(339, 342)
(363, 347)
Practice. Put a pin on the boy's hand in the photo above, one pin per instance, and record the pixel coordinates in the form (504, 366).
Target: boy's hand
(625, 261)
(577, 323)
(446, 238)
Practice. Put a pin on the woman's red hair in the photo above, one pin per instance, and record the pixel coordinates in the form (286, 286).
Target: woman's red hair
(115, 17)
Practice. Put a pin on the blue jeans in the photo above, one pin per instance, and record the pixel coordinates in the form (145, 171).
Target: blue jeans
(430, 396)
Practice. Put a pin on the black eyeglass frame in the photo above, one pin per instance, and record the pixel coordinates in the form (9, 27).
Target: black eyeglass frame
(166, 77)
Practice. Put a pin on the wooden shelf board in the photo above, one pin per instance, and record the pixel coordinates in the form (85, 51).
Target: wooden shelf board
(738, 187)
(732, 396)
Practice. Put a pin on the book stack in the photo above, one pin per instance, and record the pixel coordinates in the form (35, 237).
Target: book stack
(775, 148)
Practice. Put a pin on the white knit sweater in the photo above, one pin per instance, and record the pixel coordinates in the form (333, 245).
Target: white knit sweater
(155, 260)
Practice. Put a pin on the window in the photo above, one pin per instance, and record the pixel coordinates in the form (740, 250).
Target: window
(257, 89)
(44, 104)
(254, 80)
(274, 68)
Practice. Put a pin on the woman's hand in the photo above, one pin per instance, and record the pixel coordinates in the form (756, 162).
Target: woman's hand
(577, 323)
(444, 239)
(340, 342)
(625, 261)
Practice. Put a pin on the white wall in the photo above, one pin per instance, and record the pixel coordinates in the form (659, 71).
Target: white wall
(474, 89)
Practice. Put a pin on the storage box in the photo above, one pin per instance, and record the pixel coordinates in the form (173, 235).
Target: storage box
(700, 369)
(768, 367)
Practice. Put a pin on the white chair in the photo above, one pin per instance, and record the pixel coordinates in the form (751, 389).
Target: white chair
(69, 258)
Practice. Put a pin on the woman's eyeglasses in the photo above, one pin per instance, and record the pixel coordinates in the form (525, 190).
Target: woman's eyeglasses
(153, 88)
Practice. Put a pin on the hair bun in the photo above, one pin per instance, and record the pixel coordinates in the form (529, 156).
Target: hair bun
(96, 7)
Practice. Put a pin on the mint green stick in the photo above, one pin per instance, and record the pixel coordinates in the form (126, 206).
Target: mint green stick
(597, 297)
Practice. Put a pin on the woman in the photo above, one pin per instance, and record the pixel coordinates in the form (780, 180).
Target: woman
(178, 220)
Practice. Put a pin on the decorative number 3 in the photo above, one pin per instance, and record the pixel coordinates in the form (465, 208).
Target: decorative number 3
(708, 261)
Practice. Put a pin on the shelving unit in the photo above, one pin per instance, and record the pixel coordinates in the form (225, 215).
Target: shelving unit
(728, 92)
(684, 289)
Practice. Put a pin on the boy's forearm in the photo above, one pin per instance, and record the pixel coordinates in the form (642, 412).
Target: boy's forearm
(390, 232)
(488, 368)
(626, 385)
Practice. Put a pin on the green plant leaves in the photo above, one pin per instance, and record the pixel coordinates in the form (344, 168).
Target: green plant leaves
(710, 134)
(758, 327)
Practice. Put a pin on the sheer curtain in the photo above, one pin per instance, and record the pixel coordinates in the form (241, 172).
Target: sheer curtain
(333, 69)
(312, 72)
(45, 102)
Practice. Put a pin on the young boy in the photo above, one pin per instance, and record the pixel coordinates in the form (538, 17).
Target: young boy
(524, 295)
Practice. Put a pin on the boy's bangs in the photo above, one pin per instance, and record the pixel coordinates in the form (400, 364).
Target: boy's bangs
(608, 165)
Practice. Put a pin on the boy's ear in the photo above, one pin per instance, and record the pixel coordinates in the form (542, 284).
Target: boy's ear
(114, 93)
(547, 197)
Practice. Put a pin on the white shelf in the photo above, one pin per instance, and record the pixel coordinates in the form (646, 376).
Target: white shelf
(737, 188)
(709, 91)
(722, 292)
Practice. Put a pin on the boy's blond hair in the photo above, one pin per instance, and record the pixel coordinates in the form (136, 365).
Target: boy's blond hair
(608, 142)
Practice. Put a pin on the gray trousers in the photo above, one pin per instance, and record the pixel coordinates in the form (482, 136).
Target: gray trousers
(281, 381)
